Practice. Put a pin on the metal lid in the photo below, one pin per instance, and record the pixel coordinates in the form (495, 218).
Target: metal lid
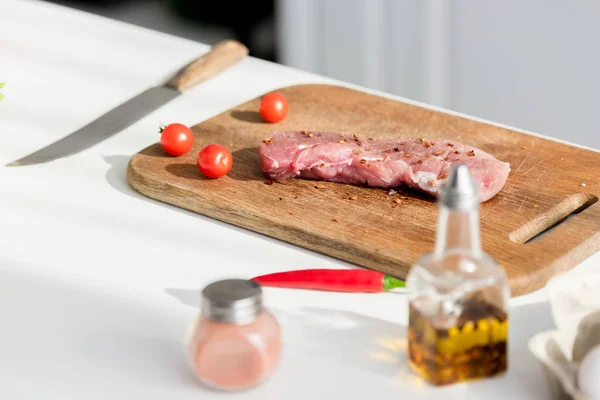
(459, 191)
(236, 301)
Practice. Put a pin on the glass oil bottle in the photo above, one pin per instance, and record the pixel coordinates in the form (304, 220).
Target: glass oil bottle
(458, 296)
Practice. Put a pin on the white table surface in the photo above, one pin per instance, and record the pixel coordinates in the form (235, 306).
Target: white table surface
(98, 285)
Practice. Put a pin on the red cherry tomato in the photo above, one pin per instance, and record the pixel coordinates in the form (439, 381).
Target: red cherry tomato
(273, 107)
(176, 139)
(215, 161)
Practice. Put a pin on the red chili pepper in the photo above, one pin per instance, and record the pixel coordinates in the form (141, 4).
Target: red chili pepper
(336, 280)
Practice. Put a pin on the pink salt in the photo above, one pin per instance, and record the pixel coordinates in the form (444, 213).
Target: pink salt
(234, 357)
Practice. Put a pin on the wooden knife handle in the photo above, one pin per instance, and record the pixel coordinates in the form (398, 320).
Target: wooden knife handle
(222, 56)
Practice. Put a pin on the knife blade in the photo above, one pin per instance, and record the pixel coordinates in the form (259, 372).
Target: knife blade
(222, 56)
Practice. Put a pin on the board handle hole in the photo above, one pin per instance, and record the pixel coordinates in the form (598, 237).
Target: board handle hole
(548, 221)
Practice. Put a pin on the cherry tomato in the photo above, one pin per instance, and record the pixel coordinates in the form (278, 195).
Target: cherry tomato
(273, 107)
(215, 161)
(176, 139)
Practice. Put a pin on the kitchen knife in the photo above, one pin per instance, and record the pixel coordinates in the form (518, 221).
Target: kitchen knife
(222, 56)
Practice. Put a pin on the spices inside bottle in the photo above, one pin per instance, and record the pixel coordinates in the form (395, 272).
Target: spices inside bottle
(458, 296)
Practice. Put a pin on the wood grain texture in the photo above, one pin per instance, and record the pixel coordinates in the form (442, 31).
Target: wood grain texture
(543, 187)
(222, 56)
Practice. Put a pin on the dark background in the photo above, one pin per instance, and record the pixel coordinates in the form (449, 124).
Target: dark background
(250, 22)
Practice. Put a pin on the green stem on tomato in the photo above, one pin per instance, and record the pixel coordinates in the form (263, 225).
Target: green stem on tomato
(390, 283)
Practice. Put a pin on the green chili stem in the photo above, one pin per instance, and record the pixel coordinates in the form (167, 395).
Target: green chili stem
(390, 283)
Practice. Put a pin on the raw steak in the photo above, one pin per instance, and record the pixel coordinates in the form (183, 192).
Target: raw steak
(419, 163)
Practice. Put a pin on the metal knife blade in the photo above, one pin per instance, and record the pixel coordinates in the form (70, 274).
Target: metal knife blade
(104, 127)
(222, 56)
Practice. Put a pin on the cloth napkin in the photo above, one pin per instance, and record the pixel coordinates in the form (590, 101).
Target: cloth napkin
(575, 303)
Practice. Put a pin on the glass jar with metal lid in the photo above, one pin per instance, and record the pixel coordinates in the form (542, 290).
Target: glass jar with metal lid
(235, 343)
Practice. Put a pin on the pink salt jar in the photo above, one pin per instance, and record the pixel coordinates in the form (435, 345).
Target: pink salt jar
(235, 344)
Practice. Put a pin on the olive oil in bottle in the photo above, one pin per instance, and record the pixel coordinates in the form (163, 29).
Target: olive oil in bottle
(458, 296)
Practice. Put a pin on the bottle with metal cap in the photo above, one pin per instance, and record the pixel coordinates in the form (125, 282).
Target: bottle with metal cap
(235, 343)
(458, 295)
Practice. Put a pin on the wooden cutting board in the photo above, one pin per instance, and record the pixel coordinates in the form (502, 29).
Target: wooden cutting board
(548, 181)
